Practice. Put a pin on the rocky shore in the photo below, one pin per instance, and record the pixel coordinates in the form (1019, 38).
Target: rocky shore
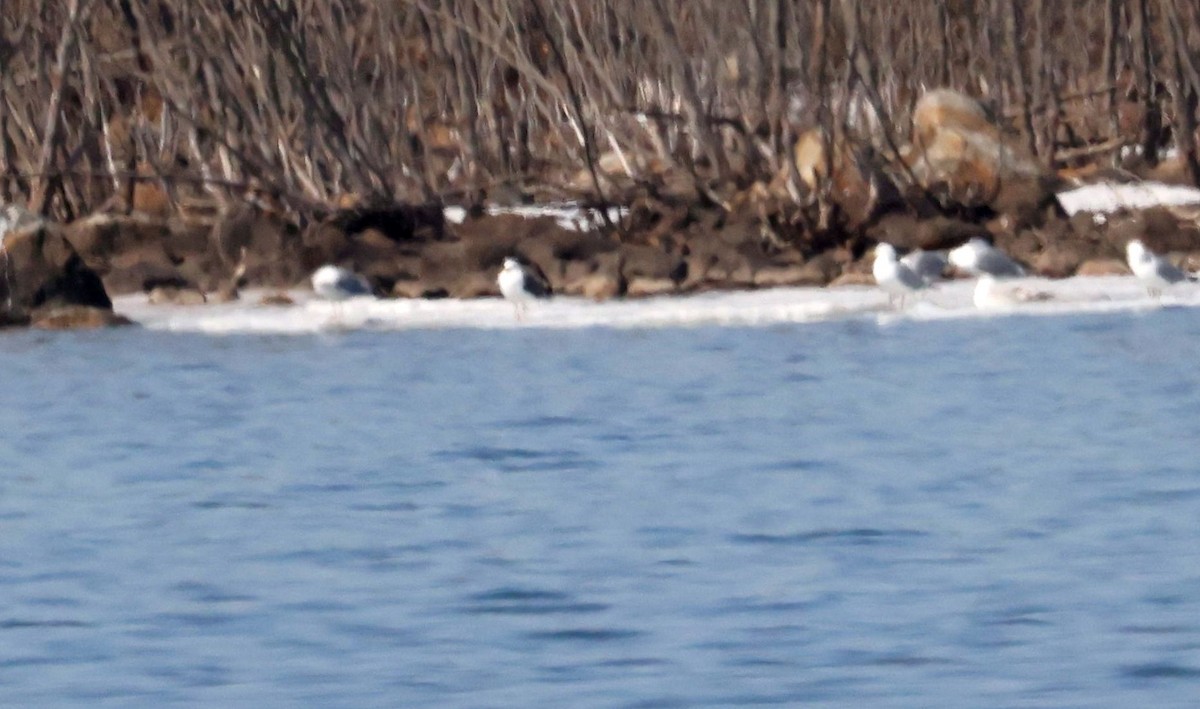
(814, 225)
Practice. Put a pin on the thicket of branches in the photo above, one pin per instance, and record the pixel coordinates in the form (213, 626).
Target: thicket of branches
(309, 100)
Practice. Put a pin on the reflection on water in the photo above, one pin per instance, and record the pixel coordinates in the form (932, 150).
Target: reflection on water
(995, 512)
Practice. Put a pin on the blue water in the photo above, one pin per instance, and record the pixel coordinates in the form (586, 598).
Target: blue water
(1000, 513)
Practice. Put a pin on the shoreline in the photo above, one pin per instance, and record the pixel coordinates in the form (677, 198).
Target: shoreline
(949, 300)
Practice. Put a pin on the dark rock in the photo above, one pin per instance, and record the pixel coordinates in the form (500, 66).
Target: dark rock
(820, 270)
(41, 269)
(399, 223)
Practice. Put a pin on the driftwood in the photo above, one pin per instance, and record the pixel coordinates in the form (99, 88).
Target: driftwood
(313, 102)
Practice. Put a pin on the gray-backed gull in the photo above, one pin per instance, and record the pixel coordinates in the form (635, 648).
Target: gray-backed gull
(894, 276)
(929, 265)
(1153, 270)
(336, 283)
(978, 257)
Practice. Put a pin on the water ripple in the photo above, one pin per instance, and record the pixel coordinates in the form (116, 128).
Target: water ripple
(852, 536)
(1161, 671)
(520, 459)
(590, 635)
(21, 624)
(519, 601)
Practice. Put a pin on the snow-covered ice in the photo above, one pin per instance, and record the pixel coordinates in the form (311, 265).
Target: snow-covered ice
(948, 300)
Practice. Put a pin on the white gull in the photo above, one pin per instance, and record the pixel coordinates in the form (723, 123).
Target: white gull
(992, 294)
(978, 257)
(1153, 270)
(894, 276)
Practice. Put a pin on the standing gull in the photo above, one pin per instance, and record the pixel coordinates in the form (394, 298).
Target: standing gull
(335, 283)
(521, 284)
(1153, 270)
(978, 257)
(929, 265)
(894, 276)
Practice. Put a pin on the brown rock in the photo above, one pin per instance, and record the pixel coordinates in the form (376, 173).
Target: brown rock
(819, 270)
(600, 286)
(1102, 267)
(276, 299)
(645, 286)
(1190, 261)
(100, 237)
(134, 252)
(944, 233)
(712, 264)
(139, 271)
(269, 245)
(475, 284)
(150, 198)
(859, 185)
(654, 264)
(961, 157)
(778, 276)
(419, 289)
(853, 278)
(597, 278)
(76, 317)
(172, 295)
(1059, 260)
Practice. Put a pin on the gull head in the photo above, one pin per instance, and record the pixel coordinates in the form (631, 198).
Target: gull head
(966, 255)
(511, 263)
(1135, 250)
(327, 274)
(885, 252)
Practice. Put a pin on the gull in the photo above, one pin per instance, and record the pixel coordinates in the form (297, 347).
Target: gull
(990, 294)
(978, 257)
(335, 283)
(894, 276)
(520, 284)
(929, 265)
(1153, 270)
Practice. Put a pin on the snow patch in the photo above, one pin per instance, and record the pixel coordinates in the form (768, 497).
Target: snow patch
(568, 216)
(1114, 197)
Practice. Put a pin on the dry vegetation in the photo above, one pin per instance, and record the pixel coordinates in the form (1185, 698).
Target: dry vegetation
(305, 102)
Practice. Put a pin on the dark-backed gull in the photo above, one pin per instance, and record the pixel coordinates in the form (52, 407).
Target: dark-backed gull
(520, 284)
